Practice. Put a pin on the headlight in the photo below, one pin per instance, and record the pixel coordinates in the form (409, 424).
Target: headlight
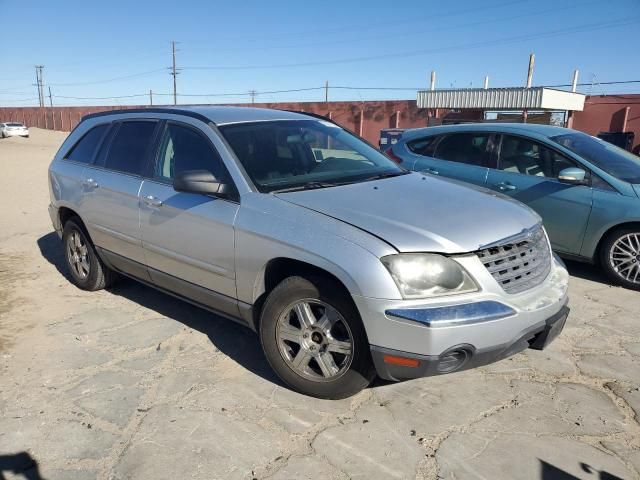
(421, 275)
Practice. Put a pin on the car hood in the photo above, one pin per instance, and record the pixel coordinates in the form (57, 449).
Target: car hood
(417, 213)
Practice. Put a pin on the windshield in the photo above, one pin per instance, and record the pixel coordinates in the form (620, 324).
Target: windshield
(302, 154)
(14, 125)
(604, 155)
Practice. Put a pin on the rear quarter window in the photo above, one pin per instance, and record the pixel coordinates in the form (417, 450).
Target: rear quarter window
(84, 150)
(422, 146)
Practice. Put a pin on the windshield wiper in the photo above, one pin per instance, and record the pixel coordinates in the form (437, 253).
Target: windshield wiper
(380, 176)
(305, 186)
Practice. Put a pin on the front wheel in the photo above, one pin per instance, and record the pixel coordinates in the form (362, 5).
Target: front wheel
(314, 339)
(620, 257)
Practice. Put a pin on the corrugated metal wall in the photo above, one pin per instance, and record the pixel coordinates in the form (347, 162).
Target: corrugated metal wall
(479, 98)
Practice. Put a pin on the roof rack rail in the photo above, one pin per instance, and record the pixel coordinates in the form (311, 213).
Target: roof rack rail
(177, 111)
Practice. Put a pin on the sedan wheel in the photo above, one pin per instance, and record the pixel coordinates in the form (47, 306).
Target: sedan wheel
(620, 257)
(624, 257)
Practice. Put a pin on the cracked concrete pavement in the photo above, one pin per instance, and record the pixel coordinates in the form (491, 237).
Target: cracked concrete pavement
(131, 383)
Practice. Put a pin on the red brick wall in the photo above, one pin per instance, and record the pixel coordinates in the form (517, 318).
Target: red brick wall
(375, 115)
(601, 113)
(606, 113)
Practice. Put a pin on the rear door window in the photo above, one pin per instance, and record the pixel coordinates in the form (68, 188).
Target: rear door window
(130, 146)
(84, 150)
(470, 148)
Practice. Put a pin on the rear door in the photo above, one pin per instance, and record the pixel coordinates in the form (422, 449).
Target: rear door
(464, 156)
(528, 171)
(189, 238)
(67, 175)
(111, 186)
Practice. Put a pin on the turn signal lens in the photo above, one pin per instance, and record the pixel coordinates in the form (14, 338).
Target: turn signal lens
(401, 361)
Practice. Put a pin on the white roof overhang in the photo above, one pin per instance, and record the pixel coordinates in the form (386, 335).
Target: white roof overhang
(534, 98)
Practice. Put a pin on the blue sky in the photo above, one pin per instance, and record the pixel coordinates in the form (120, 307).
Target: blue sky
(119, 48)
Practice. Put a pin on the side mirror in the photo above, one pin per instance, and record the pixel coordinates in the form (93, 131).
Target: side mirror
(199, 181)
(573, 176)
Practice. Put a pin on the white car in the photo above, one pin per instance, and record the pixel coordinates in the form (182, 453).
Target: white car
(13, 129)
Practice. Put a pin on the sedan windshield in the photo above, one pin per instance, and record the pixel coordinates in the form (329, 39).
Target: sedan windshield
(304, 154)
(604, 155)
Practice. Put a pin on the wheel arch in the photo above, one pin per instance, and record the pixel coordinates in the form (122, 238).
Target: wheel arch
(66, 213)
(596, 253)
(279, 268)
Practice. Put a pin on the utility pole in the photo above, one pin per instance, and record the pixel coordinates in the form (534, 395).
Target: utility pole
(174, 71)
(39, 84)
(253, 96)
(151, 97)
(326, 91)
(50, 98)
(532, 60)
(574, 82)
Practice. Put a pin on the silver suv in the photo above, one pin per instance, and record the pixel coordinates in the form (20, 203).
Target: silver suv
(345, 264)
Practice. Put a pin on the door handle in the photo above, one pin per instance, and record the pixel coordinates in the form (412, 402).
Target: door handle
(431, 171)
(505, 187)
(90, 183)
(152, 201)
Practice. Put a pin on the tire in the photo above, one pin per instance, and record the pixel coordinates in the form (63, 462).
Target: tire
(86, 269)
(620, 256)
(321, 350)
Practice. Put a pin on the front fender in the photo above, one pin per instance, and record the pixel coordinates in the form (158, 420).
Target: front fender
(270, 228)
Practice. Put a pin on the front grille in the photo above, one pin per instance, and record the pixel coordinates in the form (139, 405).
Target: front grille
(520, 263)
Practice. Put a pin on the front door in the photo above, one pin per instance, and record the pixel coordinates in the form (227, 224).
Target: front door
(188, 238)
(528, 171)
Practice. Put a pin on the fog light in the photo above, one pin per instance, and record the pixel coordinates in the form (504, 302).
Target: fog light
(452, 361)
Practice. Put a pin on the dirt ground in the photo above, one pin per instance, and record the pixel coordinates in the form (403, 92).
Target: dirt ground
(131, 383)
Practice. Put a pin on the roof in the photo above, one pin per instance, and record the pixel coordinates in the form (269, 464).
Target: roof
(534, 98)
(523, 128)
(217, 115)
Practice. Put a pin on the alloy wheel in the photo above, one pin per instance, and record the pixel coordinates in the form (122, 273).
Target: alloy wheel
(77, 255)
(315, 340)
(624, 257)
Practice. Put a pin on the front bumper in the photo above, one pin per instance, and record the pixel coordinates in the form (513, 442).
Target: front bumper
(16, 133)
(464, 356)
(463, 331)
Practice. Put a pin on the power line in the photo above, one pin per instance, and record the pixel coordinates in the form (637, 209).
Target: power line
(115, 79)
(255, 93)
(106, 98)
(412, 33)
(377, 25)
(416, 53)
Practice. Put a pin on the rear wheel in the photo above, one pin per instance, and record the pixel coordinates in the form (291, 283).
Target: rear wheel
(314, 339)
(620, 256)
(87, 270)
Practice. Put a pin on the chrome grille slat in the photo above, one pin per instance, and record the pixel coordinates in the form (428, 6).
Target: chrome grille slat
(512, 264)
(521, 263)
